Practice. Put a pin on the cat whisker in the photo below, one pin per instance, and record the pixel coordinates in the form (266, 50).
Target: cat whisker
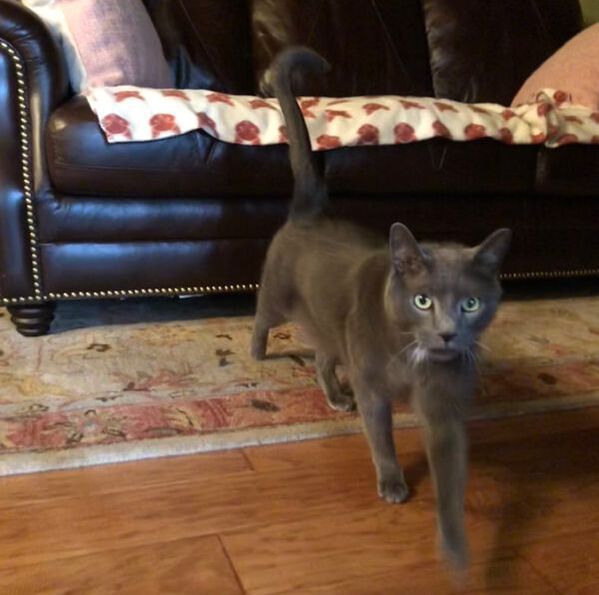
(410, 344)
(472, 359)
(485, 347)
(417, 357)
(398, 355)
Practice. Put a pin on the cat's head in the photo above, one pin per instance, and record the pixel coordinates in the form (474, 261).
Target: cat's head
(444, 294)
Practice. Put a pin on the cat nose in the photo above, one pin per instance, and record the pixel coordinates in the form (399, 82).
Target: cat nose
(447, 337)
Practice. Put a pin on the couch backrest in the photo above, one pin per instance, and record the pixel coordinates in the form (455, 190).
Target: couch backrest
(208, 42)
(469, 50)
(483, 50)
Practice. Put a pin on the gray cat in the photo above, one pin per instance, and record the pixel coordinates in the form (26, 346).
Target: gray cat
(403, 317)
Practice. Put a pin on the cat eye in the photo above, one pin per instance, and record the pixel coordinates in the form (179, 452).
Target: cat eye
(471, 304)
(423, 302)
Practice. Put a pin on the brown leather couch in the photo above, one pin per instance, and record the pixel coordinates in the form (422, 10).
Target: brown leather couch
(81, 219)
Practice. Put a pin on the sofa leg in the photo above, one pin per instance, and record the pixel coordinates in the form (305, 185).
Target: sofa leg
(32, 320)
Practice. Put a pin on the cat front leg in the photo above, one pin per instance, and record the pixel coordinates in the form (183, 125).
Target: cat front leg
(378, 425)
(446, 447)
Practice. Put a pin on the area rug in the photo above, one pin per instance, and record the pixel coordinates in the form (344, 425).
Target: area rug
(124, 381)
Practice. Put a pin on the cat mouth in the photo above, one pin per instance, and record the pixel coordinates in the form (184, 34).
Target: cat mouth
(444, 354)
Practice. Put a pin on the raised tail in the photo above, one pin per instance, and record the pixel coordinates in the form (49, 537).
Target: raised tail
(310, 196)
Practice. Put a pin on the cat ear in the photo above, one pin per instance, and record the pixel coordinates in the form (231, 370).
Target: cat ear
(492, 251)
(406, 254)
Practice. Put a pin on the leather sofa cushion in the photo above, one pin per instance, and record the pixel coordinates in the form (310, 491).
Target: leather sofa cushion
(571, 170)
(100, 219)
(82, 162)
(484, 167)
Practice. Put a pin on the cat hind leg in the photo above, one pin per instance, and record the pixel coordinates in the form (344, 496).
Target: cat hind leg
(338, 397)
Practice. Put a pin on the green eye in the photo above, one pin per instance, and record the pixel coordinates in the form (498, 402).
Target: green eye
(423, 302)
(471, 304)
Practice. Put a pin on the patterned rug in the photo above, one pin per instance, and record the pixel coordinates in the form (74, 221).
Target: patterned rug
(121, 381)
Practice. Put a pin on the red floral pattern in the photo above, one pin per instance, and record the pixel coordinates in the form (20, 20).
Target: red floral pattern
(247, 133)
(261, 103)
(444, 107)
(440, 129)
(175, 93)
(506, 136)
(283, 138)
(475, 131)
(370, 108)
(122, 95)
(161, 123)
(207, 124)
(407, 104)
(404, 133)
(331, 114)
(372, 120)
(326, 141)
(114, 126)
(368, 135)
(219, 97)
(306, 104)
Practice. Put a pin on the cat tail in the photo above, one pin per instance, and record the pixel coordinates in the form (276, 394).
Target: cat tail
(310, 196)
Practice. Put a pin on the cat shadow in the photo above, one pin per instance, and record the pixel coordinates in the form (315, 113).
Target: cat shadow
(532, 489)
(81, 314)
(415, 471)
(535, 477)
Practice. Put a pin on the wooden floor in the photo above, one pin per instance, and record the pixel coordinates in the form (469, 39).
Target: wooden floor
(304, 518)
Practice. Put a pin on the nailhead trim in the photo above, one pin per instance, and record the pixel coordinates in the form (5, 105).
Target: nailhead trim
(237, 287)
(550, 274)
(25, 172)
(109, 293)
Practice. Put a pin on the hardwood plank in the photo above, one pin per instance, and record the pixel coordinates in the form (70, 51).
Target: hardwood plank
(118, 477)
(354, 447)
(326, 451)
(506, 574)
(179, 567)
(570, 563)
(77, 525)
(537, 488)
(303, 554)
(309, 515)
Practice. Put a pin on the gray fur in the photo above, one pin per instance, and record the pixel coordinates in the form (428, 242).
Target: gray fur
(355, 296)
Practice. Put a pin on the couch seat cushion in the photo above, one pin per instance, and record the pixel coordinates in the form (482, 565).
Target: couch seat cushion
(81, 162)
(195, 164)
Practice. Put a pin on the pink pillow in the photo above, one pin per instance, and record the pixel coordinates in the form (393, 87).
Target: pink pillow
(574, 68)
(116, 43)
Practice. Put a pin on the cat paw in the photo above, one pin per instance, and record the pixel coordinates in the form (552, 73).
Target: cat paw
(393, 490)
(342, 402)
(455, 550)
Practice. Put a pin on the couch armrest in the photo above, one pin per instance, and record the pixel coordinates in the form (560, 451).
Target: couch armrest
(33, 82)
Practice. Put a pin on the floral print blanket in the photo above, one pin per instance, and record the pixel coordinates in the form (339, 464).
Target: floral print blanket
(130, 114)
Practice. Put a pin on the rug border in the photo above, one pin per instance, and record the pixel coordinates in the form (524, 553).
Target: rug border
(35, 462)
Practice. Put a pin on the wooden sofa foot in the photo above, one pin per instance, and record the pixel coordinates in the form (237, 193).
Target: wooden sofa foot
(32, 320)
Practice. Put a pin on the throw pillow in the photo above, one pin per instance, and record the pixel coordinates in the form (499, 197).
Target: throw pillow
(574, 69)
(106, 42)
